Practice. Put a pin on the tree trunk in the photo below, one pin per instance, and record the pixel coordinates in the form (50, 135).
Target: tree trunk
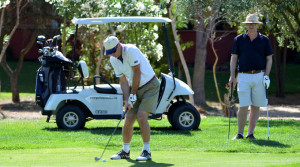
(179, 73)
(64, 36)
(14, 74)
(280, 68)
(276, 58)
(199, 66)
(101, 55)
(179, 50)
(14, 88)
(283, 68)
(214, 73)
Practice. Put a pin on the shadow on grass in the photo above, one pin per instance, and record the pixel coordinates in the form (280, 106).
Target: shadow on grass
(279, 123)
(136, 130)
(263, 123)
(269, 143)
(147, 163)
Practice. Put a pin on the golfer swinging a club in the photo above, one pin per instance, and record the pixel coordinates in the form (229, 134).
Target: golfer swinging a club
(140, 90)
(253, 53)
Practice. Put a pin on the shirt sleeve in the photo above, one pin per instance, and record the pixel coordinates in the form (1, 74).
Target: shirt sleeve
(116, 69)
(235, 46)
(269, 50)
(134, 57)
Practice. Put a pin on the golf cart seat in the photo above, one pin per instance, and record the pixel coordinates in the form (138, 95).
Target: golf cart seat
(106, 90)
(84, 73)
(83, 69)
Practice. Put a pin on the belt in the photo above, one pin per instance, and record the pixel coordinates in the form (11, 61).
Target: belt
(147, 82)
(253, 72)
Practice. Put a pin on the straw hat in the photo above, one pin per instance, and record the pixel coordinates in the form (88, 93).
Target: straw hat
(252, 18)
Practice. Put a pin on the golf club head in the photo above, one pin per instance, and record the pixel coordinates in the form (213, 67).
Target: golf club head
(56, 37)
(49, 43)
(97, 159)
(40, 44)
(41, 38)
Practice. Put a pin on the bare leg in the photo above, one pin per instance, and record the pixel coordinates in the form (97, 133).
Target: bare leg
(254, 115)
(142, 118)
(242, 118)
(127, 130)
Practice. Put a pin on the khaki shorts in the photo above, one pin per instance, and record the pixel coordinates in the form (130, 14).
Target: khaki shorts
(251, 90)
(147, 97)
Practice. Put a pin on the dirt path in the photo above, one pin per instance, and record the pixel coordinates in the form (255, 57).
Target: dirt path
(279, 108)
(26, 109)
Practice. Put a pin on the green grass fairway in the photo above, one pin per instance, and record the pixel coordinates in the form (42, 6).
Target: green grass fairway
(37, 143)
(80, 157)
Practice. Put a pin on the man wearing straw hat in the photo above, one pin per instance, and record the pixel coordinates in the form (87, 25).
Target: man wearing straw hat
(252, 52)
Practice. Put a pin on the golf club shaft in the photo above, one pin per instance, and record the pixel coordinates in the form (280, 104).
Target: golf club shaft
(267, 112)
(113, 133)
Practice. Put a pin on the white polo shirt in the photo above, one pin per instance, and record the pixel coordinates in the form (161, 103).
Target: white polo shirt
(132, 56)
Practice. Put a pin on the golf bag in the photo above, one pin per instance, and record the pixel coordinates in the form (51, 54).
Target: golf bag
(50, 77)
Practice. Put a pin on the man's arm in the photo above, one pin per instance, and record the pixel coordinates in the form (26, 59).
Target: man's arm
(268, 65)
(233, 62)
(136, 78)
(125, 89)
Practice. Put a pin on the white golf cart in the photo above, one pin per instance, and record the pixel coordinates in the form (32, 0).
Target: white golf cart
(76, 105)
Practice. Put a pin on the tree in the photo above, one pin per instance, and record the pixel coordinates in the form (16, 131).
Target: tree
(145, 36)
(16, 8)
(204, 14)
(283, 21)
(177, 43)
(17, 14)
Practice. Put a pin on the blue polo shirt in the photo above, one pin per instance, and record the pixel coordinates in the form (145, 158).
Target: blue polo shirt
(251, 54)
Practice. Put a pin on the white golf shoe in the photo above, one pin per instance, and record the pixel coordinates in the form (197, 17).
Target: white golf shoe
(121, 155)
(145, 156)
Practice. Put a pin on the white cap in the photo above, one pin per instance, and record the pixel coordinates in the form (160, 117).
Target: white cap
(110, 44)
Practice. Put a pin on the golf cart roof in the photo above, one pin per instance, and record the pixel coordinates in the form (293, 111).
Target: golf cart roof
(104, 20)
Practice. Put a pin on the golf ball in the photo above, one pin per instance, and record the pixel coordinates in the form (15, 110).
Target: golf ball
(104, 160)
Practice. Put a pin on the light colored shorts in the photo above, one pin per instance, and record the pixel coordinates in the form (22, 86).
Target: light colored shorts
(251, 90)
(147, 97)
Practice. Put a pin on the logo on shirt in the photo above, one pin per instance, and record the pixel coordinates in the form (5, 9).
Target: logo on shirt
(135, 61)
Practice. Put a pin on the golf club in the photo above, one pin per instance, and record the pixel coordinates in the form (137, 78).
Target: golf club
(267, 110)
(96, 158)
(230, 99)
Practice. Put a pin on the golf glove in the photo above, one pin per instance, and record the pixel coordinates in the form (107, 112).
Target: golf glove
(132, 99)
(266, 81)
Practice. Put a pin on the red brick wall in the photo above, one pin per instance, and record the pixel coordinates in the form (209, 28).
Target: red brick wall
(222, 47)
(19, 41)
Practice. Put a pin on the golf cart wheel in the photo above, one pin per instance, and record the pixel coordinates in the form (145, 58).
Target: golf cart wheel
(186, 117)
(171, 111)
(70, 117)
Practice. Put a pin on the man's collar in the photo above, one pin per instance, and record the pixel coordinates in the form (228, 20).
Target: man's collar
(121, 55)
(246, 34)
